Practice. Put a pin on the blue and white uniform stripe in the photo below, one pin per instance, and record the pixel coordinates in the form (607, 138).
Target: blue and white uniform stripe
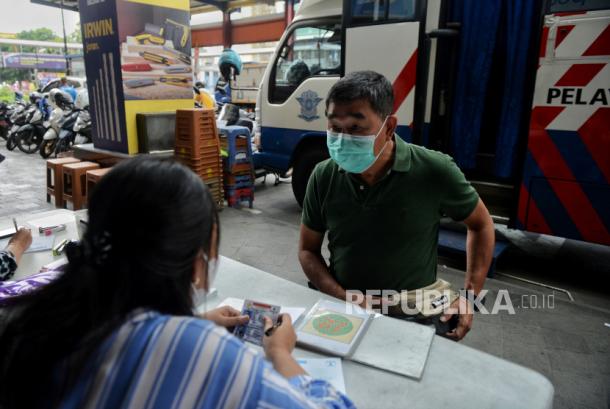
(162, 361)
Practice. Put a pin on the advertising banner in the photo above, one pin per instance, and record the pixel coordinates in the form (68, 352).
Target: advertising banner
(33, 61)
(137, 58)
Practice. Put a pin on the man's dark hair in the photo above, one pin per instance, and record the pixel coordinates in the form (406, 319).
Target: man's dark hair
(63, 80)
(368, 85)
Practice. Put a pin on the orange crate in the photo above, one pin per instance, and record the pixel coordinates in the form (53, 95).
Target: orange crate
(194, 127)
(207, 151)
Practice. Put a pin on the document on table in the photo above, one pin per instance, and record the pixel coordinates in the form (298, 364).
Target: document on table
(328, 369)
(51, 220)
(404, 351)
(237, 303)
(39, 243)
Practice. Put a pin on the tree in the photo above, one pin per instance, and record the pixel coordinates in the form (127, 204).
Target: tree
(76, 35)
(40, 34)
(11, 75)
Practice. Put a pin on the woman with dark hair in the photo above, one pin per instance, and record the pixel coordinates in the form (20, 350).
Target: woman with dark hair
(116, 328)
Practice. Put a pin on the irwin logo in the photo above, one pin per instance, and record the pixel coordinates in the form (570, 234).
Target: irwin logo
(98, 28)
(576, 96)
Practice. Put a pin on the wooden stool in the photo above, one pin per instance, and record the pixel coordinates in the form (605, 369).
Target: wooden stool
(75, 186)
(55, 179)
(94, 176)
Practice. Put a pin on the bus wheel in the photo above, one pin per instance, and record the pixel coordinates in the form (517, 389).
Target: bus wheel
(303, 166)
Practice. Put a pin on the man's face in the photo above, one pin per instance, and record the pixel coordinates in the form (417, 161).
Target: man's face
(358, 118)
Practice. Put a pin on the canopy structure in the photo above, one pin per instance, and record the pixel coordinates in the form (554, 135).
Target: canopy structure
(257, 29)
(197, 6)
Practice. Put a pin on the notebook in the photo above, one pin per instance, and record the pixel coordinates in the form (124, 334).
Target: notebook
(334, 328)
(348, 331)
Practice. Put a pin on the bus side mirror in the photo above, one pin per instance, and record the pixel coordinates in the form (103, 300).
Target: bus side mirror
(285, 52)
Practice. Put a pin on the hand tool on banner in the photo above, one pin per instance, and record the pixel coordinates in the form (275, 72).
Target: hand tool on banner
(156, 58)
(149, 39)
(177, 69)
(139, 82)
(175, 80)
(178, 33)
(136, 67)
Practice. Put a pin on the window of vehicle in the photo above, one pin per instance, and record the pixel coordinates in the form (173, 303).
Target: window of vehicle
(379, 11)
(311, 50)
(566, 6)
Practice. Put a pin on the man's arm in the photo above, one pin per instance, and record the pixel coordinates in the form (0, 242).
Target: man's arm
(479, 247)
(479, 250)
(314, 265)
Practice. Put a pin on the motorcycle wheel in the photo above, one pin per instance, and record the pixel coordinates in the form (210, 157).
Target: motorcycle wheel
(11, 142)
(62, 146)
(47, 147)
(30, 142)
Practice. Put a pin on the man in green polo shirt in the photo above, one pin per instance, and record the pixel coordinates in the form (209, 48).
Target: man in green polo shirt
(381, 200)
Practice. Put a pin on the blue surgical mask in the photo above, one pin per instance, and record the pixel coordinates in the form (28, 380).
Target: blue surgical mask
(353, 153)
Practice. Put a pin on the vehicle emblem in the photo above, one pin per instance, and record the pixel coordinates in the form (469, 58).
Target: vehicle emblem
(309, 101)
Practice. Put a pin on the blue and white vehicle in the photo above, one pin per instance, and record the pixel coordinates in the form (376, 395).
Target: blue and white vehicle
(319, 47)
(515, 91)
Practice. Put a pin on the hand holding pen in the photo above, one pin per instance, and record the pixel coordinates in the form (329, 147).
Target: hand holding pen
(279, 337)
(19, 242)
(279, 342)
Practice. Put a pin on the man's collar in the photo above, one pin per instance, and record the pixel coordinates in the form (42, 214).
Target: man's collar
(402, 155)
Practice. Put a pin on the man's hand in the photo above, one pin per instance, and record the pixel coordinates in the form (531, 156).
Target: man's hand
(225, 316)
(464, 308)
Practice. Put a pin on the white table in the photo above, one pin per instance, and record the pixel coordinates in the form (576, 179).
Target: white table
(455, 376)
(31, 262)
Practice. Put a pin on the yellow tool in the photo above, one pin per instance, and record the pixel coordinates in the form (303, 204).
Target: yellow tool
(175, 80)
(150, 39)
(156, 58)
(178, 33)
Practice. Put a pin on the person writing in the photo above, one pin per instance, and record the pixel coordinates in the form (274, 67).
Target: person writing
(117, 328)
(381, 200)
(11, 255)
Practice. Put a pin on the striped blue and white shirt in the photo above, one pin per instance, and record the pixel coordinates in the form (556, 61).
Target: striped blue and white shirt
(162, 361)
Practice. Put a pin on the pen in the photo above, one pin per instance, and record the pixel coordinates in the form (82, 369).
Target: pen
(15, 223)
(269, 332)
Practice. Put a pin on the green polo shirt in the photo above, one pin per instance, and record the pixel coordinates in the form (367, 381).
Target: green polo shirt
(385, 236)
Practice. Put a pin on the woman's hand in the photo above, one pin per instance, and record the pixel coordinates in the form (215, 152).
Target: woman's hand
(19, 243)
(282, 338)
(226, 316)
(279, 344)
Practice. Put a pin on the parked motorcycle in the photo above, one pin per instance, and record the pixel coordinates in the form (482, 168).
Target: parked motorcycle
(49, 139)
(232, 115)
(82, 127)
(61, 102)
(17, 119)
(76, 128)
(66, 132)
(5, 121)
(29, 135)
